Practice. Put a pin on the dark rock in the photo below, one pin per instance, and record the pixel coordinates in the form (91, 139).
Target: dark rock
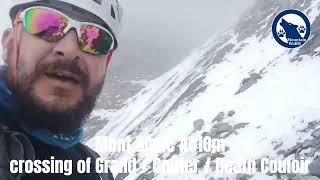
(293, 150)
(226, 134)
(314, 167)
(146, 176)
(258, 164)
(313, 124)
(223, 127)
(198, 124)
(219, 117)
(227, 148)
(220, 128)
(255, 76)
(300, 177)
(290, 175)
(243, 177)
(311, 153)
(240, 48)
(281, 152)
(176, 151)
(313, 42)
(240, 125)
(277, 146)
(248, 82)
(213, 165)
(297, 177)
(219, 56)
(245, 80)
(202, 161)
(121, 176)
(316, 133)
(309, 143)
(204, 134)
(231, 113)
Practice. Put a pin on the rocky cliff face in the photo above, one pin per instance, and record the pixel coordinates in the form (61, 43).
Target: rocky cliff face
(259, 97)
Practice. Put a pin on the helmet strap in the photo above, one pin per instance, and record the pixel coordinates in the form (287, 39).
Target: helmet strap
(16, 49)
(109, 57)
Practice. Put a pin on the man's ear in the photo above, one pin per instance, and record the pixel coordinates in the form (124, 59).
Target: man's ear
(109, 57)
(6, 42)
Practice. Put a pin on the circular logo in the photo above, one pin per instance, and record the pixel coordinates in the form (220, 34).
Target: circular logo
(291, 28)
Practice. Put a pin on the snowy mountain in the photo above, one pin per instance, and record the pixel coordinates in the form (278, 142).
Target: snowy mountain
(262, 99)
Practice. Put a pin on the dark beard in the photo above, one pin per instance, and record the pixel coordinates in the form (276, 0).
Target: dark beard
(36, 115)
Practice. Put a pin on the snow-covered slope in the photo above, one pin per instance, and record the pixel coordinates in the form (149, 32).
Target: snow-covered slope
(260, 97)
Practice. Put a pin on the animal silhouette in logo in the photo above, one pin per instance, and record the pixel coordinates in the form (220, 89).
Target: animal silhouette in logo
(291, 31)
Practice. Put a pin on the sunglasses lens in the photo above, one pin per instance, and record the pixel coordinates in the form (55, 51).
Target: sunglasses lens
(48, 25)
(95, 40)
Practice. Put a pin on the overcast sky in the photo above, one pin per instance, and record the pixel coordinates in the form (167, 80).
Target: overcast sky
(157, 34)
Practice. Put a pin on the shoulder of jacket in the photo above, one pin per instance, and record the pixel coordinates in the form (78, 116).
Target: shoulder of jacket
(86, 150)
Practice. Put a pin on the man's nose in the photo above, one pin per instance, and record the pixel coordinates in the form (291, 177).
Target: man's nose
(68, 46)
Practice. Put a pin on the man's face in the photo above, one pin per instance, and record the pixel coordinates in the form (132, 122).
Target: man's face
(58, 79)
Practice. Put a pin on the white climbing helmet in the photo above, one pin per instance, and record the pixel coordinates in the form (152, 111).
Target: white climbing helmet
(109, 12)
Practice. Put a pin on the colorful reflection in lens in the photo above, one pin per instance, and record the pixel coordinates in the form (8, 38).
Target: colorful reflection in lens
(49, 25)
(45, 23)
(95, 40)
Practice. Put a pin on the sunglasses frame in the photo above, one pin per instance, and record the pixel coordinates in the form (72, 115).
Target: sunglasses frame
(71, 24)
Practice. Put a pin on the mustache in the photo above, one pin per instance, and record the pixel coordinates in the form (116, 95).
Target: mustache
(63, 65)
